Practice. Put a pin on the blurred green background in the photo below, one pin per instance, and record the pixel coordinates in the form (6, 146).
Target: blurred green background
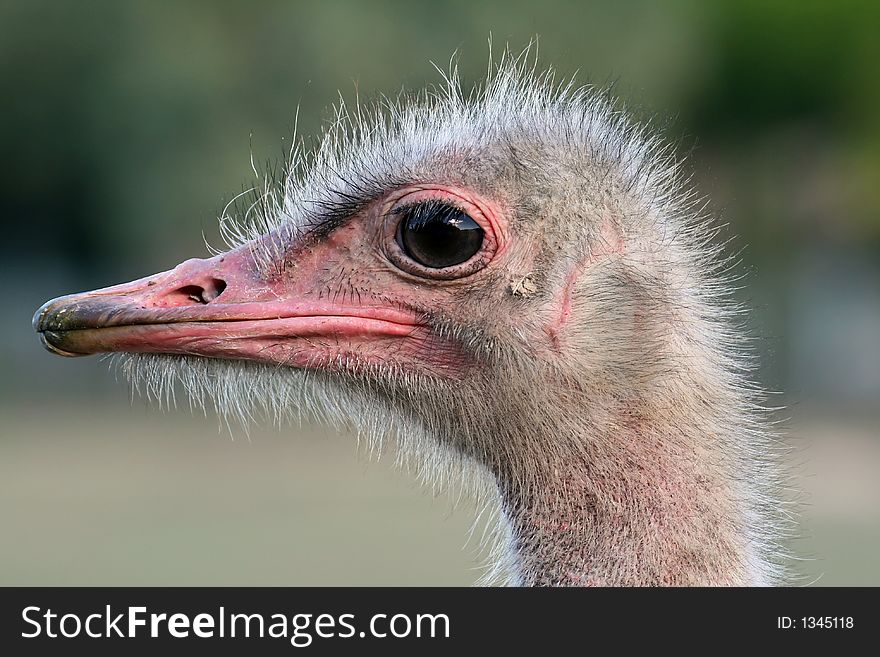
(127, 126)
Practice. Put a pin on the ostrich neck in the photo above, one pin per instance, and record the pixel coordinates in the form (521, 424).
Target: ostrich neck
(637, 498)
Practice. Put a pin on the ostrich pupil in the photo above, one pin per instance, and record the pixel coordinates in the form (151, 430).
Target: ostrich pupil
(439, 236)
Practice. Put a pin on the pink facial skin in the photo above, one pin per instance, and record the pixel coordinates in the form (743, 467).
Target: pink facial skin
(611, 243)
(351, 299)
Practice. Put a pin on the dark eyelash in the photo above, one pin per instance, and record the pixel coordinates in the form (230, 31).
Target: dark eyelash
(420, 212)
(341, 204)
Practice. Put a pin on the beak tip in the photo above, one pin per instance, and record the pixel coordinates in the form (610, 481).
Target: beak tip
(48, 316)
(48, 339)
(37, 321)
(50, 332)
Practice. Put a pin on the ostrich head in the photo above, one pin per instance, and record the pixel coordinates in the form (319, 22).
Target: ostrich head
(517, 286)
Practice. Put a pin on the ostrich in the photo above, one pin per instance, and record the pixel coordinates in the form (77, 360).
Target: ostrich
(517, 287)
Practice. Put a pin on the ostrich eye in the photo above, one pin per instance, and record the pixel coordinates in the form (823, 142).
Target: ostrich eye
(438, 235)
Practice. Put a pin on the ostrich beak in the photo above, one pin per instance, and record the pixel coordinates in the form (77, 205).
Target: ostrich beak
(218, 307)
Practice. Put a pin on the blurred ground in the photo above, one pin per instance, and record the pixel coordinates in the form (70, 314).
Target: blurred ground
(837, 470)
(133, 496)
(139, 497)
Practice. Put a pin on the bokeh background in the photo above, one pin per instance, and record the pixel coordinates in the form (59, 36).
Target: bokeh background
(125, 127)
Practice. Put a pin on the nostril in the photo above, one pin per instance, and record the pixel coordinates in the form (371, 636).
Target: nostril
(187, 294)
(193, 293)
(213, 290)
